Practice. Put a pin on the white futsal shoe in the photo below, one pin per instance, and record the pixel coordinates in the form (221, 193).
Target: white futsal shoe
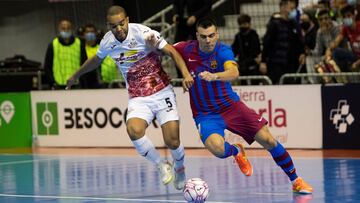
(180, 178)
(165, 171)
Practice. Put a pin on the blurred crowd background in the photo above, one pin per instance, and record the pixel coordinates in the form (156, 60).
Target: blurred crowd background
(43, 42)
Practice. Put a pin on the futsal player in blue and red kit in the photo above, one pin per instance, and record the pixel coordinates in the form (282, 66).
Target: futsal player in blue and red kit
(216, 107)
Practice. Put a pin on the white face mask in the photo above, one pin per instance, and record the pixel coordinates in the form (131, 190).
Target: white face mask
(292, 14)
(65, 35)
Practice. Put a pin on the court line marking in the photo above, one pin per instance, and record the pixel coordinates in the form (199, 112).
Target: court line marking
(98, 198)
(25, 161)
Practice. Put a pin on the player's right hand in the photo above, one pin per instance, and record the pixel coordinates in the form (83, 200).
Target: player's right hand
(187, 82)
(70, 82)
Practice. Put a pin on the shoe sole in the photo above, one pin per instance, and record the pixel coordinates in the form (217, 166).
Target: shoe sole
(304, 192)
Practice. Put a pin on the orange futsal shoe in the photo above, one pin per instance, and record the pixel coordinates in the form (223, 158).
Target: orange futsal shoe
(302, 187)
(242, 161)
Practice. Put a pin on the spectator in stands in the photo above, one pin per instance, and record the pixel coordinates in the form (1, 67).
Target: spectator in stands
(308, 28)
(246, 47)
(348, 60)
(63, 57)
(185, 15)
(327, 33)
(283, 49)
(108, 71)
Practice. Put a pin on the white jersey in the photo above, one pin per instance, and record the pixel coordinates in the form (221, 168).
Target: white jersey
(137, 61)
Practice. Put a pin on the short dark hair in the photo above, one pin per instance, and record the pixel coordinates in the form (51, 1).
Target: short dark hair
(347, 9)
(284, 2)
(90, 25)
(206, 22)
(114, 10)
(323, 12)
(244, 18)
(325, 2)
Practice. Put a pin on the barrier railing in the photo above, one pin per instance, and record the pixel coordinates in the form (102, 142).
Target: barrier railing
(336, 76)
(264, 78)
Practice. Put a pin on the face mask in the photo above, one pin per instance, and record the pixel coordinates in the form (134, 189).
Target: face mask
(292, 14)
(351, 2)
(90, 36)
(348, 22)
(65, 35)
(244, 29)
(305, 25)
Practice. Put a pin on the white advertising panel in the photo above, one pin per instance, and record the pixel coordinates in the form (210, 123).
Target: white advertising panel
(293, 113)
(96, 118)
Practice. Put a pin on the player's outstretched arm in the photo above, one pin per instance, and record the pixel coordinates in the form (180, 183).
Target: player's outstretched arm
(230, 73)
(88, 66)
(180, 63)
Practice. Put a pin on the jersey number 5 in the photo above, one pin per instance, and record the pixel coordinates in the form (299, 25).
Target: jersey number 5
(168, 102)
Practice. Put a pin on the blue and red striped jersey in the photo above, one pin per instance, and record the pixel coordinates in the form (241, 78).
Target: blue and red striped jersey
(207, 97)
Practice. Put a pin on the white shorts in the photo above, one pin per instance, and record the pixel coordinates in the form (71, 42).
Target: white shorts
(161, 105)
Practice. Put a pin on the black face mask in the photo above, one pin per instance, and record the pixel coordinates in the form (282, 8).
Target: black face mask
(244, 30)
(305, 25)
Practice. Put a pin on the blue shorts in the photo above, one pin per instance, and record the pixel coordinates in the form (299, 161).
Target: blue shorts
(237, 118)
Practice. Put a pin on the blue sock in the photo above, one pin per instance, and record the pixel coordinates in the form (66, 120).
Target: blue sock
(283, 159)
(229, 150)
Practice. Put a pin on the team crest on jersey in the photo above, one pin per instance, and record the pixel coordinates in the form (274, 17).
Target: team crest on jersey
(213, 64)
(132, 43)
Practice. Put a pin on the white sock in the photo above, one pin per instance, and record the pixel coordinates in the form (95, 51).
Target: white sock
(145, 148)
(178, 157)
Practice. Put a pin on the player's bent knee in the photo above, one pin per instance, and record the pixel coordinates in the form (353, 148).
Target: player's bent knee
(173, 143)
(135, 132)
(216, 148)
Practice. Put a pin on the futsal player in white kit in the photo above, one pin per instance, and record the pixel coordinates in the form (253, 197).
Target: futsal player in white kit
(136, 50)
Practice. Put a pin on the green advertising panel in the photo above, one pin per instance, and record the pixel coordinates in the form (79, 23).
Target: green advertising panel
(47, 118)
(15, 120)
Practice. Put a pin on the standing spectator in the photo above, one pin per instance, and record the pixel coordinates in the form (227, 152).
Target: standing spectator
(309, 29)
(348, 60)
(185, 15)
(108, 71)
(246, 47)
(283, 49)
(63, 56)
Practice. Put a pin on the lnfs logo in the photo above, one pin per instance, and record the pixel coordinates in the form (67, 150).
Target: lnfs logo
(341, 116)
(7, 111)
(47, 118)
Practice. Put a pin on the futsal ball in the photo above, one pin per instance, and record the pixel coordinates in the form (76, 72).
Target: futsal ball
(196, 190)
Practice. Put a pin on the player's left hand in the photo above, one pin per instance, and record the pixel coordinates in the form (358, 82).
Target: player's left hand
(206, 75)
(187, 82)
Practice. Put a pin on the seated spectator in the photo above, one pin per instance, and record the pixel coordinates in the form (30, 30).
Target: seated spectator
(327, 33)
(246, 47)
(348, 60)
